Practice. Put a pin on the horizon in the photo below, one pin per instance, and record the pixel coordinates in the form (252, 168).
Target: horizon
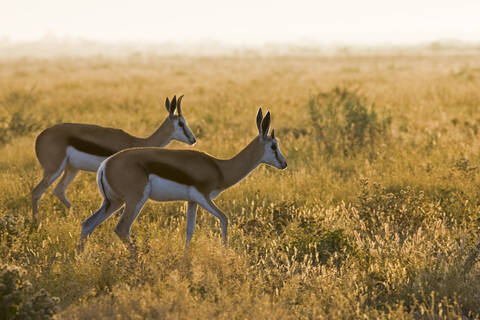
(52, 38)
(251, 23)
(53, 47)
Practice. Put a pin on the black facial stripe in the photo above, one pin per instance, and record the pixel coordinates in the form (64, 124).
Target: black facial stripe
(185, 132)
(276, 155)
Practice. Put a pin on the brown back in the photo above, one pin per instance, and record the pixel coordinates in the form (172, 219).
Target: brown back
(186, 167)
(84, 138)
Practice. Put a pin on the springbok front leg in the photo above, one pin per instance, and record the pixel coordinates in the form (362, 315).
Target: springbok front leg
(68, 175)
(208, 205)
(48, 178)
(191, 219)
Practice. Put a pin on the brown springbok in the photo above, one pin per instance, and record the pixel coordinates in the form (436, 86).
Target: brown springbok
(132, 176)
(71, 147)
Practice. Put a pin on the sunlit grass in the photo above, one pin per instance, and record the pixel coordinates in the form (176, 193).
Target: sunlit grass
(384, 231)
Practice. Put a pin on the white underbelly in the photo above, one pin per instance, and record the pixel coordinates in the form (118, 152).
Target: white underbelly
(167, 190)
(82, 160)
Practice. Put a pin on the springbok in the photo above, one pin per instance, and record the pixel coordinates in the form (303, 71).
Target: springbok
(70, 147)
(132, 176)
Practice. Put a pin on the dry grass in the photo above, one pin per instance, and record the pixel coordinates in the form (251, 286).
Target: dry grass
(385, 231)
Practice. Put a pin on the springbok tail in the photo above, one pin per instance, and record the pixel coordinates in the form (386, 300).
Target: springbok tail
(101, 183)
(91, 222)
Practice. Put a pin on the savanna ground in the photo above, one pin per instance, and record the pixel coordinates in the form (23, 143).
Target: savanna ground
(376, 216)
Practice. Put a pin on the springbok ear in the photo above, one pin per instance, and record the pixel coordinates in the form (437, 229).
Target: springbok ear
(266, 124)
(173, 105)
(179, 108)
(259, 120)
(273, 133)
(167, 104)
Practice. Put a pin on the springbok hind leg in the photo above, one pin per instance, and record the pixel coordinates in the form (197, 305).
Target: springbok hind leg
(133, 206)
(106, 210)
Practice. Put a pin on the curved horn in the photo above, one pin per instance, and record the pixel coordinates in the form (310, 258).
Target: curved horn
(167, 104)
(179, 108)
(266, 124)
(259, 121)
(173, 105)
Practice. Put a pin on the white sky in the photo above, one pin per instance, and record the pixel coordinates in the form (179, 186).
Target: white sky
(244, 21)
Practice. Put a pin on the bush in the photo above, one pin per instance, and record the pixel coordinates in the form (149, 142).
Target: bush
(307, 239)
(319, 245)
(404, 209)
(15, 125)
(344, 122)
(8, 228)
(15, 120)
(20, 97)
(17, 300)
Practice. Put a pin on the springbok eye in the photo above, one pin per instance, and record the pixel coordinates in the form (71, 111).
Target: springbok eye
(274, 147)
(180, 123)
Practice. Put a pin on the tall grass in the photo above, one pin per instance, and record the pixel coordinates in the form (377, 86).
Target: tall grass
(375, 217)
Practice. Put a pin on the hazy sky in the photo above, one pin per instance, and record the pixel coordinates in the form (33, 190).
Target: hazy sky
(244, 21)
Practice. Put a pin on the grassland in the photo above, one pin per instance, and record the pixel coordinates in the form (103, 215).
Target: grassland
(377, 215)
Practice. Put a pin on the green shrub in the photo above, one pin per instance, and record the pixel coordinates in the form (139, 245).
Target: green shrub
(20, 97)
(345, 123)
(17, 301)
(16, 124)
(404, 209)
(8, 228)
(307, 239)
(15, 118)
